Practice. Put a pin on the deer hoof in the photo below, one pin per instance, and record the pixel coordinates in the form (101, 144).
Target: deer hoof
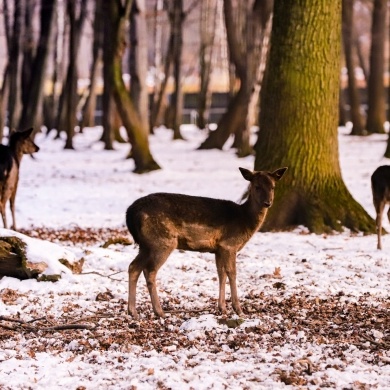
(133, 313)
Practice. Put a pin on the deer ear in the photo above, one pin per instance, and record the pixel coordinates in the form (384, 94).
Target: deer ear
(277, 175)
(24, 134)
(246, 173)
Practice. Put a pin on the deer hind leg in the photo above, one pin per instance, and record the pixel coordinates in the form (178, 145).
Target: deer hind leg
(135, 269)
(222, 276)
(3, 215)
(379, 207)
(156, 259)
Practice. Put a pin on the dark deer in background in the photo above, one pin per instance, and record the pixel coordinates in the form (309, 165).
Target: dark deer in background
(162, 222)
(380, 185)
(20, 143)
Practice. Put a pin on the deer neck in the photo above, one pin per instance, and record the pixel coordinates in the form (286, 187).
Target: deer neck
(255, 214)
(18, 154)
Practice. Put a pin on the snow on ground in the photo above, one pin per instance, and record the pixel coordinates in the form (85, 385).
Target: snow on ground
(317, 305)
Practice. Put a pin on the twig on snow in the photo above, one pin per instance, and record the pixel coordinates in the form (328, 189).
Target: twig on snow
(103, 276)
(24, 325)
(377, 343)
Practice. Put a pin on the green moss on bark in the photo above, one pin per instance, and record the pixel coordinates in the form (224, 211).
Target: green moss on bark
(325, 210)
(299, 119)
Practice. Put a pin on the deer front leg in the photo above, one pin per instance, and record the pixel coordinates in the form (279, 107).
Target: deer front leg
(378, 222)
(3, 215)
(227, 260)
(12, 207)
(222, 276)
(232, 274)
(150, 277)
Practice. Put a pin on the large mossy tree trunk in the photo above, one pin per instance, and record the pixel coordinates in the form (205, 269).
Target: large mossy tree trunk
(116, 17)
(299, 117)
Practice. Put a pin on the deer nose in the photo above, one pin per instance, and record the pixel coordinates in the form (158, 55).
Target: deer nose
(267, 204)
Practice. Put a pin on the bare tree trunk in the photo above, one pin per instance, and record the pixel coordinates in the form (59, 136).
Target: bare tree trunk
(88, 111)
(5, 85)
(107, 98)
(34, 95)
(70, 89)
(157, 85)
(208, 20)
(362, 59)
(4, 99)
(176, 18)
(244, 51)
(114, 46)
(159, 96)
(138, 60)
(15, 65)
(353, 92)
(342, 112)
(376, 91)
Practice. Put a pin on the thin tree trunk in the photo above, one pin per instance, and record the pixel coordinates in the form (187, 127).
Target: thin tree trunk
(70, 90)
(35, 90)
(244, 52)
(4, 100)
(116, 17)
(353, 92)
(138, 61)
(157, 87)
(175, 109)
(376, 91)
(88, 116)
(208, 21)
(15, 66)
(159, 96)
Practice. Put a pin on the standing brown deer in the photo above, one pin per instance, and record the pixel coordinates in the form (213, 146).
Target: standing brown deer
(380, 186)
(162, 222)
(20, 143)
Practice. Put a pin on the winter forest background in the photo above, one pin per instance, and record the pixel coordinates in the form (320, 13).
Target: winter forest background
(127, 98)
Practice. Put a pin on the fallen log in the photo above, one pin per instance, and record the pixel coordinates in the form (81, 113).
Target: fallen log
(24, 257)
(11, 262)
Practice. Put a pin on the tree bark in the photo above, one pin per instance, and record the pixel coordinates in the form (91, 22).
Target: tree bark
(244, 51)
(175, 108)
(88, 111)
(353, 91)
(15, 66)
(376, 92)
(70, 87)
(299, 118)
(35, 90)
(208, 20)
(138, 61)
(115, 33)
